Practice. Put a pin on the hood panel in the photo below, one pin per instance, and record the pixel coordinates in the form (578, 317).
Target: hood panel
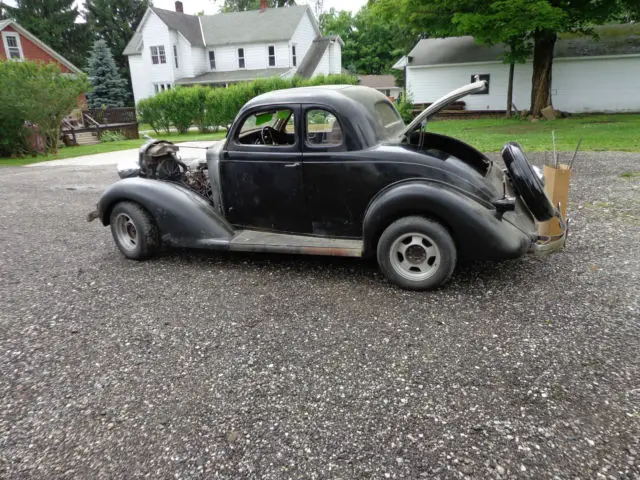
(443, 102)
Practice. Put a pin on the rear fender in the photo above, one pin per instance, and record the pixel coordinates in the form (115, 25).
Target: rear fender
(184, 218)
(475, 226)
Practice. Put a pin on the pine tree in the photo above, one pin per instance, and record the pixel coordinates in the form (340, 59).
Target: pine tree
(109, 88)
(54, 22)
(116, 21)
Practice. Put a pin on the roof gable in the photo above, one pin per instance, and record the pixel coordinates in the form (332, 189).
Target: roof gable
(187, 25)
(39, 43)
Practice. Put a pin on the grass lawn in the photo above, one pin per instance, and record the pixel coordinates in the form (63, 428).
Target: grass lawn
(69, 152)
(599, 132)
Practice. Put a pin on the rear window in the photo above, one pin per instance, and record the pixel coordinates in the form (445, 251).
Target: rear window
(388, 122)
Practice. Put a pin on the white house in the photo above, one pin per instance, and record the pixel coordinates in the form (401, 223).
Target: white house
(589, 75)
(173, 48)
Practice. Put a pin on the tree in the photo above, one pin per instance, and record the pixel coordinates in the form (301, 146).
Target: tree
(534, 22)
(40, 94)
(371, 45)
(244, 5)
(109, 89)
(502, 21)
(54, 22)
(115, 21)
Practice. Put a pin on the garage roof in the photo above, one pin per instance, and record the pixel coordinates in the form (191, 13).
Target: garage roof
(612, 40)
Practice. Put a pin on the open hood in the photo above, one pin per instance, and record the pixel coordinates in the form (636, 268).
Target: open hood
(443, 102)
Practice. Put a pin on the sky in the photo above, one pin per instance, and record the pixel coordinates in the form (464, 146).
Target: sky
(210, 6)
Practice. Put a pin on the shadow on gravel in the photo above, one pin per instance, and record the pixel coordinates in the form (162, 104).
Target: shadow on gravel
(468, 274)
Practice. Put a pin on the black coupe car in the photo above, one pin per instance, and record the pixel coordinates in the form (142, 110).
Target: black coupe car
(333, 170)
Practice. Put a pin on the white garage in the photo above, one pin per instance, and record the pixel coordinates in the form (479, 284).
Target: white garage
(589, 75)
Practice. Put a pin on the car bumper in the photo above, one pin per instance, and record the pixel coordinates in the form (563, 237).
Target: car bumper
(544, 245)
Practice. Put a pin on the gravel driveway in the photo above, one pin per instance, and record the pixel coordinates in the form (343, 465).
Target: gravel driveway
(211, 365)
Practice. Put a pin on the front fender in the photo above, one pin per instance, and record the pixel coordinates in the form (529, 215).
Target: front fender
(478, 231)
(184, 218)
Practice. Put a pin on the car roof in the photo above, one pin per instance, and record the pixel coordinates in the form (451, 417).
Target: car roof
(335, 95)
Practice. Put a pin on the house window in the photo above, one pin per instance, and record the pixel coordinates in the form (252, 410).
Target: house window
(158, 55)
(241, 58)
(161, 87)
(272, 56)
(478, 77)
(212, 60)
(294, 60)
(175, 55)
(12, 46)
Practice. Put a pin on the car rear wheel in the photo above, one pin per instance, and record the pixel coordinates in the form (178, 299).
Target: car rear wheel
(417, 253)
(134, 231)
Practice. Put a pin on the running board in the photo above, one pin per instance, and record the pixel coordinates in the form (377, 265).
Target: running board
(255, 241)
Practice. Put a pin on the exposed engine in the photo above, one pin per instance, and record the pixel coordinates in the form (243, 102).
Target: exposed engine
(159, 159)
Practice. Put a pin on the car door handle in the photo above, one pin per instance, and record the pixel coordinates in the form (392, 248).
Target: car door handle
(291, 165)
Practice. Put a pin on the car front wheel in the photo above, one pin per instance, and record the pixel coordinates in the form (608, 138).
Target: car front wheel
(417, 253)
(134, 231)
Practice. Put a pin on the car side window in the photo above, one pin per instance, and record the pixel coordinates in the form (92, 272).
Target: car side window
(268, 127)
(323, 128)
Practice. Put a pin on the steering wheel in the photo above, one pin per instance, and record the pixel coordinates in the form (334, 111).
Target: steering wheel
(267, 133)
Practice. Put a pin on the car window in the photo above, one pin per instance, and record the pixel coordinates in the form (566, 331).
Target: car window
(268, 127)
(323, 128)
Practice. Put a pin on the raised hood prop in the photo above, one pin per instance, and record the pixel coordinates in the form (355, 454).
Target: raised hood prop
(441, 103)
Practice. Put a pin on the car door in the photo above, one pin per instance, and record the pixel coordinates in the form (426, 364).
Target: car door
(262, 184)
(333, 175)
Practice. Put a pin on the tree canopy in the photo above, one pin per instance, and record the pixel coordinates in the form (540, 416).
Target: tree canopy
(371, 44)
(54, 22)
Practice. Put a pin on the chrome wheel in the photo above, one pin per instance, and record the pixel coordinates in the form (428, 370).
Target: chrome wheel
(415, 256)
(126, 232)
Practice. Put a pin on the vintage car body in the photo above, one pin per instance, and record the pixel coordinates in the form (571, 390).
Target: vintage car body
(425, 199)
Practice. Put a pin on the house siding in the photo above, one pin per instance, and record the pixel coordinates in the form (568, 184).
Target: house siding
(255, 56)
(31, 51)
(157, 33)
(142, 88)
(578, 86)
(335, 58)
(303, 37)
(324, 65)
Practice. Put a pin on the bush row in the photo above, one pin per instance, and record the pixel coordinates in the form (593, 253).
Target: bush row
(209, 108)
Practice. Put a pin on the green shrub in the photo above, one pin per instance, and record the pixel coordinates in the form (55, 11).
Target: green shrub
(39, 94)
(405, 108)
(209, 108)
(112, 136)
(151, 110)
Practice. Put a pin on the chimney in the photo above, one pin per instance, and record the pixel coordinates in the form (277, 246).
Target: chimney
(264, 4)
(179, 7)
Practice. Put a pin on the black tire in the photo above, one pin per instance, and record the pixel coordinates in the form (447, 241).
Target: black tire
(526, 182)
(407, 258)
(134, 231)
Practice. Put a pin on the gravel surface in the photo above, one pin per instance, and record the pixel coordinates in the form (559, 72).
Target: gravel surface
(211, 365)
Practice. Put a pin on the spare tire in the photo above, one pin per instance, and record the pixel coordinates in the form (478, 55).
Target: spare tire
(526, 182)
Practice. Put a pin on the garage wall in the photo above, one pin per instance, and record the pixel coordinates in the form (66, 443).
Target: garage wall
(597, 85)
(427, 84)
(580, 85)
